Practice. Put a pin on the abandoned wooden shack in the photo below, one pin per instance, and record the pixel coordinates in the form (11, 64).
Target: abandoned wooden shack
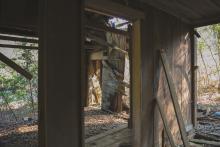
(162, 56)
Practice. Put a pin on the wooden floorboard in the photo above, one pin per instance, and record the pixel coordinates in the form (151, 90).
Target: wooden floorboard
(112, 139)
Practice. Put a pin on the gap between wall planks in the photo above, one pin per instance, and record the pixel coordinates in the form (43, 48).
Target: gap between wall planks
(174, 98)
(165, 122)
(15, 66)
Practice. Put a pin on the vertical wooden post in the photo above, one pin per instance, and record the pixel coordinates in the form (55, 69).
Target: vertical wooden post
(130, 70)
(60, 73)
(193, 77)
(136, 83)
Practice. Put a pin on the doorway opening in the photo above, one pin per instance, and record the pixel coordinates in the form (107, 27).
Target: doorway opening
(107, 104)
(18, 90)
(208, 83)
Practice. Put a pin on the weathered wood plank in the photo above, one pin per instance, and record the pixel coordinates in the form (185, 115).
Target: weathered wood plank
(15, 66)
(174, 98)
(165, 122)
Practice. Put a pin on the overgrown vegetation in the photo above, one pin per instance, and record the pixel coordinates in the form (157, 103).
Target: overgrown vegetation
(14, 88)
(208, 55)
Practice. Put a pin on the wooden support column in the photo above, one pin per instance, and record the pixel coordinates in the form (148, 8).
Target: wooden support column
(60, 73)
(193, 77)
(136, 84)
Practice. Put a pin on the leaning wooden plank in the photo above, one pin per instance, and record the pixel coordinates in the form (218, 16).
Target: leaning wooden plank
(174, 98)
(201, 141)
(165, 122)
(15, 66)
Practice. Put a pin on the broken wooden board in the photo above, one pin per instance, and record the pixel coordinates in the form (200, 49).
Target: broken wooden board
(15, 66)
(174, 98)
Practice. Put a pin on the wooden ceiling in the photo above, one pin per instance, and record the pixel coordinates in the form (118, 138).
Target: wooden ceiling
(24, 13)
(195, 12)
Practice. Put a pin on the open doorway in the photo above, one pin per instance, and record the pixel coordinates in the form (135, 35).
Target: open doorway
(108, 99)
(208, 83)
(18, 90)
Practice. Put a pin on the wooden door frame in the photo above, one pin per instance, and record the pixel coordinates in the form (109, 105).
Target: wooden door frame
(117, 10)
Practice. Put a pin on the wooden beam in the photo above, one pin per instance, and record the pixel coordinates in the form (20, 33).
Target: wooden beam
(107, 29)
(165, 122)
(110, 8)
(15, 66)
(18, 46)
(174, 98)
(18, 31)
(12, 38)
(60, 86)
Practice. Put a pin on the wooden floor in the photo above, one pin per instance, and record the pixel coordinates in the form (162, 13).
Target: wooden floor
(112, 138)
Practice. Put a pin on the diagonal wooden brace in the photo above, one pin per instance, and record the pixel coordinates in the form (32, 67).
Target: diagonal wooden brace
(15, 66)
(174, 98)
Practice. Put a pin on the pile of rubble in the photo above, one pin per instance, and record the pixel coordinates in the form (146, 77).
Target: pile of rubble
(208, 127)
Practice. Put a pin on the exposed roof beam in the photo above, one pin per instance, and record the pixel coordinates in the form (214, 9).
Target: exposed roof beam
(109, 8)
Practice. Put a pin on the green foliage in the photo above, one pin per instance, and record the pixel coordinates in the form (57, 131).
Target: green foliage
(216, 29)
(14, 86)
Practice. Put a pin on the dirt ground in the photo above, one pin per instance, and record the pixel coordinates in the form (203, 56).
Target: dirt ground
(98, 121)
(25, 133)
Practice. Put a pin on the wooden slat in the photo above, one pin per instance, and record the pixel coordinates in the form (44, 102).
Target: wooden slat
(18, 46)
(174, 98)
(12, 38)
(109, 8)
(165, 122)
(15, 66)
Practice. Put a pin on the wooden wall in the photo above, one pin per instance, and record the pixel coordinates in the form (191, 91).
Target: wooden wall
(22, 13)
(60, 95)
(162, 31)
